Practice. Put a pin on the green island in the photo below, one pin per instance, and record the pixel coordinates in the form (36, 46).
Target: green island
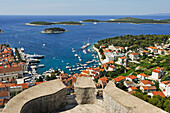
(54, 30)
(132, 20)
(42, 23)
(90, 20)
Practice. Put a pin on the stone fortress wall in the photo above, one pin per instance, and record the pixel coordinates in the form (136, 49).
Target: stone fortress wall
(43, 98)
(50, 96)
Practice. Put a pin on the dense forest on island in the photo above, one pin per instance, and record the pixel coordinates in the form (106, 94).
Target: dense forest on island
(55, 29)
(51, 23)
(131, 20)
(134, 40)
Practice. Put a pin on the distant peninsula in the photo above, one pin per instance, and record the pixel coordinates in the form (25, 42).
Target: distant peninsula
(1, 31)
(43, 23)
(131, 20)
(54, 30)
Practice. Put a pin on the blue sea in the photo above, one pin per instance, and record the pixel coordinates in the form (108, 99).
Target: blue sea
(59, 46)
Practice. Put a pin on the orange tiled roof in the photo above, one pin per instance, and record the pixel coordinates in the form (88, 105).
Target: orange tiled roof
(107, 51)
(166, 82)
(158, 68)
(4, 93)
(121, 47)
(143, 74)
(36, 83)
(103, 79)
(122, 57)
(146, 82)
(160, 50)
(84, 71)
(133, 88)
(152, 47)
(159, 93)
(132, 77)
(134, 53)
(7, 85)
(111, 62)
(10, 69)
(145, 51)
(156, 71)
(117, 79)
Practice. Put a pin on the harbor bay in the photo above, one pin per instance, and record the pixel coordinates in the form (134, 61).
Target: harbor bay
(57, 48)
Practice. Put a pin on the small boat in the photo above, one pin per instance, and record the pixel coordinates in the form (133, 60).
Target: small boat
(73, 65)
(89, 50)
(80, 59)
(73, 50)
(68, 67)
(67, 63)
(62, 61)
(41, 65)
(43, 44)
(76, 55)
(84, 51)
(94, 22)
(53, 57)
(22, 49)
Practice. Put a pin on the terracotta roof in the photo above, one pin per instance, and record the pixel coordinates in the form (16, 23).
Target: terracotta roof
(145, 51)
(84, 71)
(103, 79)
(160, 50)
(152, 47)
(7, 85)
(159, 93)
(133, 88)
(146, 82)
(10, 69)
(132, 77)
(111, 66)
(121, 47)
(111, 62)
(166, 82)
(158, 68)
(117, 79)
(3, 101)
(142, 74)
(149, 87)
(4, 93)
(134, 53)
(122, 57)
(107, 51)
(156, 71)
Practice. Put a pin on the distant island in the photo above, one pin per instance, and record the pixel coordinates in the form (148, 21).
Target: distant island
(132, 20)
(1, 31)
(54, 30)
(90, 20)
(43, 23)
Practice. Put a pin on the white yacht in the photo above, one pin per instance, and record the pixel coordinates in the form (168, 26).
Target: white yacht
(94, 22)
(76, 55)
(84, 51)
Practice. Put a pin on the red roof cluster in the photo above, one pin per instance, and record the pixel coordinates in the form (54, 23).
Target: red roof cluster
(158, 93)
(120, 78)
(146, 82)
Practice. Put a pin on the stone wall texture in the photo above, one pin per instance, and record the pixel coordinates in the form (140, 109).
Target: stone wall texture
(85, 90)
(119, 101)
(43, 98)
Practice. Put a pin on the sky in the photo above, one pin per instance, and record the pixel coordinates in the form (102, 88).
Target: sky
(83, 7)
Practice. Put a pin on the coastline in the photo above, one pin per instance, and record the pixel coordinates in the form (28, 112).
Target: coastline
(124, 22)
(29, 24)
(100, 57)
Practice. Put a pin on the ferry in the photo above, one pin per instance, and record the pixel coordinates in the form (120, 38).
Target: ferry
(95, 23)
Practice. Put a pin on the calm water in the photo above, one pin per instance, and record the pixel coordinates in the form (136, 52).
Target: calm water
(60, 45)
